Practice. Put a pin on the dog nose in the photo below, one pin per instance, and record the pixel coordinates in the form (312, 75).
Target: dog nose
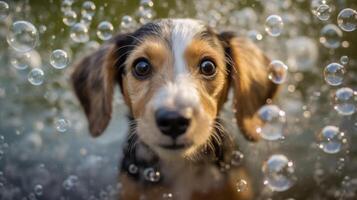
(171, 123)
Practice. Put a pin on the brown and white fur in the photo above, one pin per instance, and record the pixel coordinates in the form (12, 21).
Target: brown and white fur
(175, 50)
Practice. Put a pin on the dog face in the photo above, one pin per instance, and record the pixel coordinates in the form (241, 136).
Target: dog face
(174, 76)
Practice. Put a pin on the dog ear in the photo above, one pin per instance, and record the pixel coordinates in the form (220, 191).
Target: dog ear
(93, 80)
(249, 78)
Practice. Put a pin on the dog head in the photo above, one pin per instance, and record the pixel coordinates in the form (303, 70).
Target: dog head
(175, 75)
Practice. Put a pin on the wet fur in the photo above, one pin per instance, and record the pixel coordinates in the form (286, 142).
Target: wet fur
(242, 67)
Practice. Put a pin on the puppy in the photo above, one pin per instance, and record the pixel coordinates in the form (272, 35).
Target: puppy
(174, 76)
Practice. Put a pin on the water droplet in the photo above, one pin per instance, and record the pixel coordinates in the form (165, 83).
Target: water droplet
(345, 101)
(133, 169)
(347, 19)
(241, 185)
(38, 190)
(62, 125)
(4, 10)
(274, 122)
(330, 36)
(88, 8)
(20, 61)
(344, 60)
(334, 74)
(277, 72)
(279, 173)
(274, 25)
(36, 76)
(237, 158)
(105, 30)
(59, 59)
(152, 175)
(79, 33)
(329, 139)
(323, 12)
(69, 18)
(22, 36)
(126, 22)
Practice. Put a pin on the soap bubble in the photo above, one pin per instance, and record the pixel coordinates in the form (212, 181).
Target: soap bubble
(59, 59)
(145, 15)
(69, 18)
(279, 173)
(88, 8)
(274, 25)
(323, 12)
(146, 4)
(66, 5)
(86, 20)
(20, 61)
(36, 76)
(344, 60)
(70, 182)
(347, 19)
(237, 158)
(151, 175)
(105, 30)
(38, 190)
(133, 169)
(79, 33)
(22, 36)
(241, 185)
(274, 122)
(126, 22)
(167, 196)
(334, 74)
(345, 101)
(4, 10)
(330, 139)
(330, 36)
(62, 125)
(277, 72)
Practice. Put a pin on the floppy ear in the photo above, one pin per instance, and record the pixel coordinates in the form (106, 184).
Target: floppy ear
(94, 78)
(249, 78)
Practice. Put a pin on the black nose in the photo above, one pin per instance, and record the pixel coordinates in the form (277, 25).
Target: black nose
(171, 123)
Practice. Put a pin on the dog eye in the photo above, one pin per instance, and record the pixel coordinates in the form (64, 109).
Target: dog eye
(208, 68)
(142, 69)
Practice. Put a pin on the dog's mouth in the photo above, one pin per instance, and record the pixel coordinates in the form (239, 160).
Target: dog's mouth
(174, 146)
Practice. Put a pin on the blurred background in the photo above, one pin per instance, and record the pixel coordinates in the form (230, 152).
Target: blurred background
(47, 153)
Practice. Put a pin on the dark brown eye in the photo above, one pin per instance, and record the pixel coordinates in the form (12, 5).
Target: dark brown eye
(142, 69)
(208, 68)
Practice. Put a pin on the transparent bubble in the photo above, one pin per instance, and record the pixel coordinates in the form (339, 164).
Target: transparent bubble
(237, 158)
(4, 10)
(38, 190)
(274, 122)
(334, 74)
(22, 36)
(323, 12)
(105, 30)
(145, 15)
(88, 8)
(167, 196)
(152, 175)
(330, 139)
(126, 22)
(69, 18)
(146, 4)
(86, 20)
(254, 35)
(347, 19)
(20, 61)
(279, 173)
(36, 76)
(59, 59)
(79, 33)
(330, 36)
(277, 72)
(241, 185)
(274, 25)
(133, 169)
(66, 5)
(42, 29)
(345, 101)
(62, 125)
(344, 60)
(70, 182)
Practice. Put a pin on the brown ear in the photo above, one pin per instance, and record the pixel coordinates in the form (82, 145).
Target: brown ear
(93, 80)
(251, 85)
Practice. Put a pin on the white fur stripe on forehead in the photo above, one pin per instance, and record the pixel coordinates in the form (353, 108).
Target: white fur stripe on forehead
(183, 31)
